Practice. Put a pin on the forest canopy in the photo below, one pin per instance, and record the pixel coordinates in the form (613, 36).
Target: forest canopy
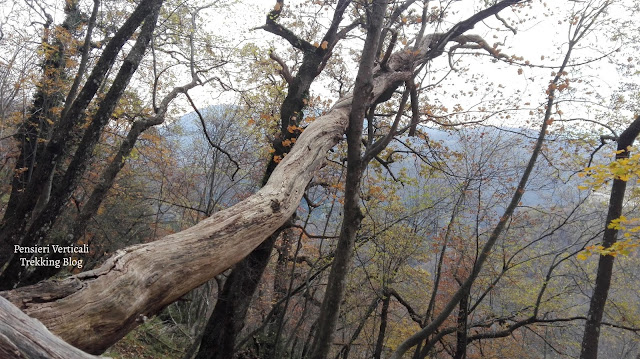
(319, 179)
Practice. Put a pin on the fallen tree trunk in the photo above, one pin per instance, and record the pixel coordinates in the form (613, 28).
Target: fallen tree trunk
(94, 309)
(22, 337)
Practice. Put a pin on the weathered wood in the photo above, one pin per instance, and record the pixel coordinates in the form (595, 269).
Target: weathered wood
(95, 309)
(22, 337)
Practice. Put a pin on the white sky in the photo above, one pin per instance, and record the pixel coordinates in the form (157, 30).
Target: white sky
(542, 36)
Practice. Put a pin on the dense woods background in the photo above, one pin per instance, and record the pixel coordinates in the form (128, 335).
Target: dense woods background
(320, 179)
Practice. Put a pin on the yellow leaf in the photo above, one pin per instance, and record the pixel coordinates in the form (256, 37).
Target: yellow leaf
(324, 45)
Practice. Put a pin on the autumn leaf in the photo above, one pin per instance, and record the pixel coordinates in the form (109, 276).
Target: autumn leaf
(293, 128)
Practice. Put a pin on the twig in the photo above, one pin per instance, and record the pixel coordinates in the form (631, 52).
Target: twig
(506, 24)
(206, 134)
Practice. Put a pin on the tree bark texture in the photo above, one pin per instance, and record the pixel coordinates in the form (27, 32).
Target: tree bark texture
(227, 319)
(93, 310)
(362, 99)
(461, 328)
(384, 318)
(245, 277)
(589, 349)
(18, 226)
(22, 337)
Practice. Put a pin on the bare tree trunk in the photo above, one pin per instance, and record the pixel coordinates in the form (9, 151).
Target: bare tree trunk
(461, 330)
(141, 280)
(18, 226)
(346, 349)
(233, 303)
(274, 325)
(591, 335)
(22, 337)
(245, 277)
(384, 314)
(340, 267)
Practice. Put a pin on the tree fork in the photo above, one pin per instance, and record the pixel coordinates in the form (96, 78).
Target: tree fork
(140, 280)
(43, 222)
(36, 126)
(362, 99)
(15, 221)
(242, 283)
(93, 310)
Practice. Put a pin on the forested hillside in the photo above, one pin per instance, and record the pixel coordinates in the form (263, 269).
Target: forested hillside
(319, 179)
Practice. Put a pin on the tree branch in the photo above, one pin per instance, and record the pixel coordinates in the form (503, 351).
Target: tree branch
(206, 134)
